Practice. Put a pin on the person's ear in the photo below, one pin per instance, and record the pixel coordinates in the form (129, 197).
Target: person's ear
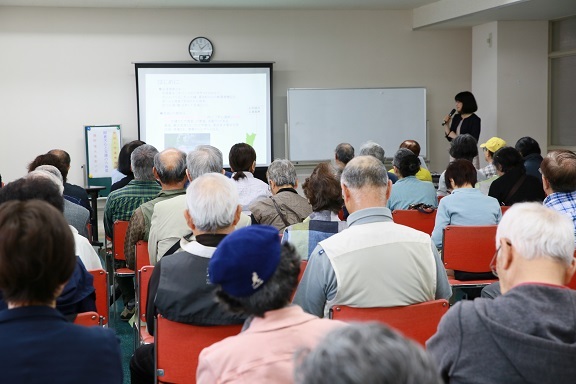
(237, 214)
(506, 256)
(189, 220)
(345, 193)
(188, 175)
(570, 271)
(296, 184)
(388, 189)
(155, 172)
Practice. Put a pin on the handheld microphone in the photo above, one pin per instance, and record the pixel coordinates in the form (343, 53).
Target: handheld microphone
(452, 112)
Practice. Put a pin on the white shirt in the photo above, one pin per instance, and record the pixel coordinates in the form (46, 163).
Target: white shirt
(85, 251)
(249, 189)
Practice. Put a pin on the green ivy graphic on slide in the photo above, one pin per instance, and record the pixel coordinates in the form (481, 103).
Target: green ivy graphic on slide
(250, 137)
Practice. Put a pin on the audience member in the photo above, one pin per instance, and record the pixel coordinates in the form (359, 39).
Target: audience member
(124, 173)
(242, 159)
(285, 207)
(490, 147)
(373, 263)
(170, 170)
(74, 193)
(527, 334)
(559, 181)
(179, 289)
(256, 277)
(423, 173)
(463, 147)
(530, 151)
(514, 185)
(408, 189)
(371, 148)
(365, 353)
(343, 153)
(323, 191)
(36, 261)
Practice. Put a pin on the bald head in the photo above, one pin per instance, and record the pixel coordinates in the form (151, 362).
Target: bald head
(62, 155)
(170, 167)
(365, 183)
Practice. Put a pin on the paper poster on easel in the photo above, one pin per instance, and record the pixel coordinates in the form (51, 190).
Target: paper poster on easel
(103, 143)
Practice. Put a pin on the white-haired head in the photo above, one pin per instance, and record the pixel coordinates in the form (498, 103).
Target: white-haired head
(48, 172)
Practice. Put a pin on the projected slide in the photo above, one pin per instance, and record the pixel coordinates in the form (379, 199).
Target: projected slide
(186, 107)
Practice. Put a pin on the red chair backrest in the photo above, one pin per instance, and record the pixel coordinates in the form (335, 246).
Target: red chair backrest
(504, 208)
(88, 319)
(142, 255)
(303, 265)
(415, 219)
(417, 321)
(177, 347)
(469, 248)
(119, 230)
(102, 293)
(144, 275)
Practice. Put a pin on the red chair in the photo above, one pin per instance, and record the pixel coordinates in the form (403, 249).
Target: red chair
(504, 208)
(119, 229)
(417, 321)
(469, 249)
(178, 346)
(88, 319)
(141, 335)
(142, 256)
(102, 294)
(303, 265)
(415, 219)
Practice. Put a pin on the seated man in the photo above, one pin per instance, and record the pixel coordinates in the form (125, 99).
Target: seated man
(72, 192)
(373, 263)
(38, 344)
(178, 287)
(371, 148)
(343, 153)
(285, 207)
(527, 334)
(256, 276)
(365, 353)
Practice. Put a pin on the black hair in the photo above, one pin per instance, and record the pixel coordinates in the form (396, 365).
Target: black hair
(527, 146)
(464, 147)
(468, 102)
(38, 188)
(507, 159)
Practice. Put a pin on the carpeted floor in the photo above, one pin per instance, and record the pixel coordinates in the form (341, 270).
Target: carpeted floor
(126, 336)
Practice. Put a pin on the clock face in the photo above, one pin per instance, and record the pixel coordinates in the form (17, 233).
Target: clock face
(201, 49)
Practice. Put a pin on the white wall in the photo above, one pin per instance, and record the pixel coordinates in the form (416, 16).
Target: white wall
(65, 68)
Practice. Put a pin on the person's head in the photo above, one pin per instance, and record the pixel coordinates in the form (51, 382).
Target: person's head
(281, 174)
(411, 145)
(170, 166)
(365, 183)
(559, 171)
(322, 189)
(365, 353)
(465, 102)
(50, 173)
(461, 173)
(370, 148)
(37, 254)
(254, 272)
(32, 187)
(491, 146)
(507, 159)
(49, 159)
(527, 146)
(124, 155)
(213, 204)
(242, 158)
(203, 159)
(405, 163)
(464, 147)
(62, 155)
(343, 153)
(142, 162)
(534, 242)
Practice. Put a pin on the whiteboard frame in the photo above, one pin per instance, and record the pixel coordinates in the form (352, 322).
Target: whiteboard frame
(88, 128)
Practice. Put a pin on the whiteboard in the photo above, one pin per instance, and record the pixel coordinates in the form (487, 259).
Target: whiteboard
(320, 119)
(102, 148)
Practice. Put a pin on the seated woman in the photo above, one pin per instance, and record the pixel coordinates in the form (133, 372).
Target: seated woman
(323, 191)
(514, 185)
(38, 344)
(408, 189)
(423, 174)
(242, 159)
(466, 205)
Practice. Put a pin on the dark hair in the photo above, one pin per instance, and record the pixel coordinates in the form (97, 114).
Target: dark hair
(464, 147)
(241, 158)
(38, 188)
(462, 172)
(275, 293)
(62, 154)
(49, 159)
(411, 145)
(322, 189)
(527, 146)
(559, 168)
(507, 159)
(124, 165)
(36, 252)
(468, 102)
(344, 152)
(406, 162)
(365, 353)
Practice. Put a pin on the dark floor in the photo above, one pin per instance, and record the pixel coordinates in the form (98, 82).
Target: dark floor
(125, 334)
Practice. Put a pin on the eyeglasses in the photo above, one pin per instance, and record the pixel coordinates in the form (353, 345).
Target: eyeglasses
(494, 258)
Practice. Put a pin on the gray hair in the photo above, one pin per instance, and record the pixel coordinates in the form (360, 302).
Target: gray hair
(48, 172)
(204, 159)
(170, 165)
(371, 148)
(537, 231)
(344, 152)
(365, 353)
(142, 162)
(364, 171)
(282, 172)
(212, 200)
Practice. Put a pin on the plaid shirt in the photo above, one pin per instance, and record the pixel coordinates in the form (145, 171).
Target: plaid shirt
(564, 202)
(489, 170)
(124, 201)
